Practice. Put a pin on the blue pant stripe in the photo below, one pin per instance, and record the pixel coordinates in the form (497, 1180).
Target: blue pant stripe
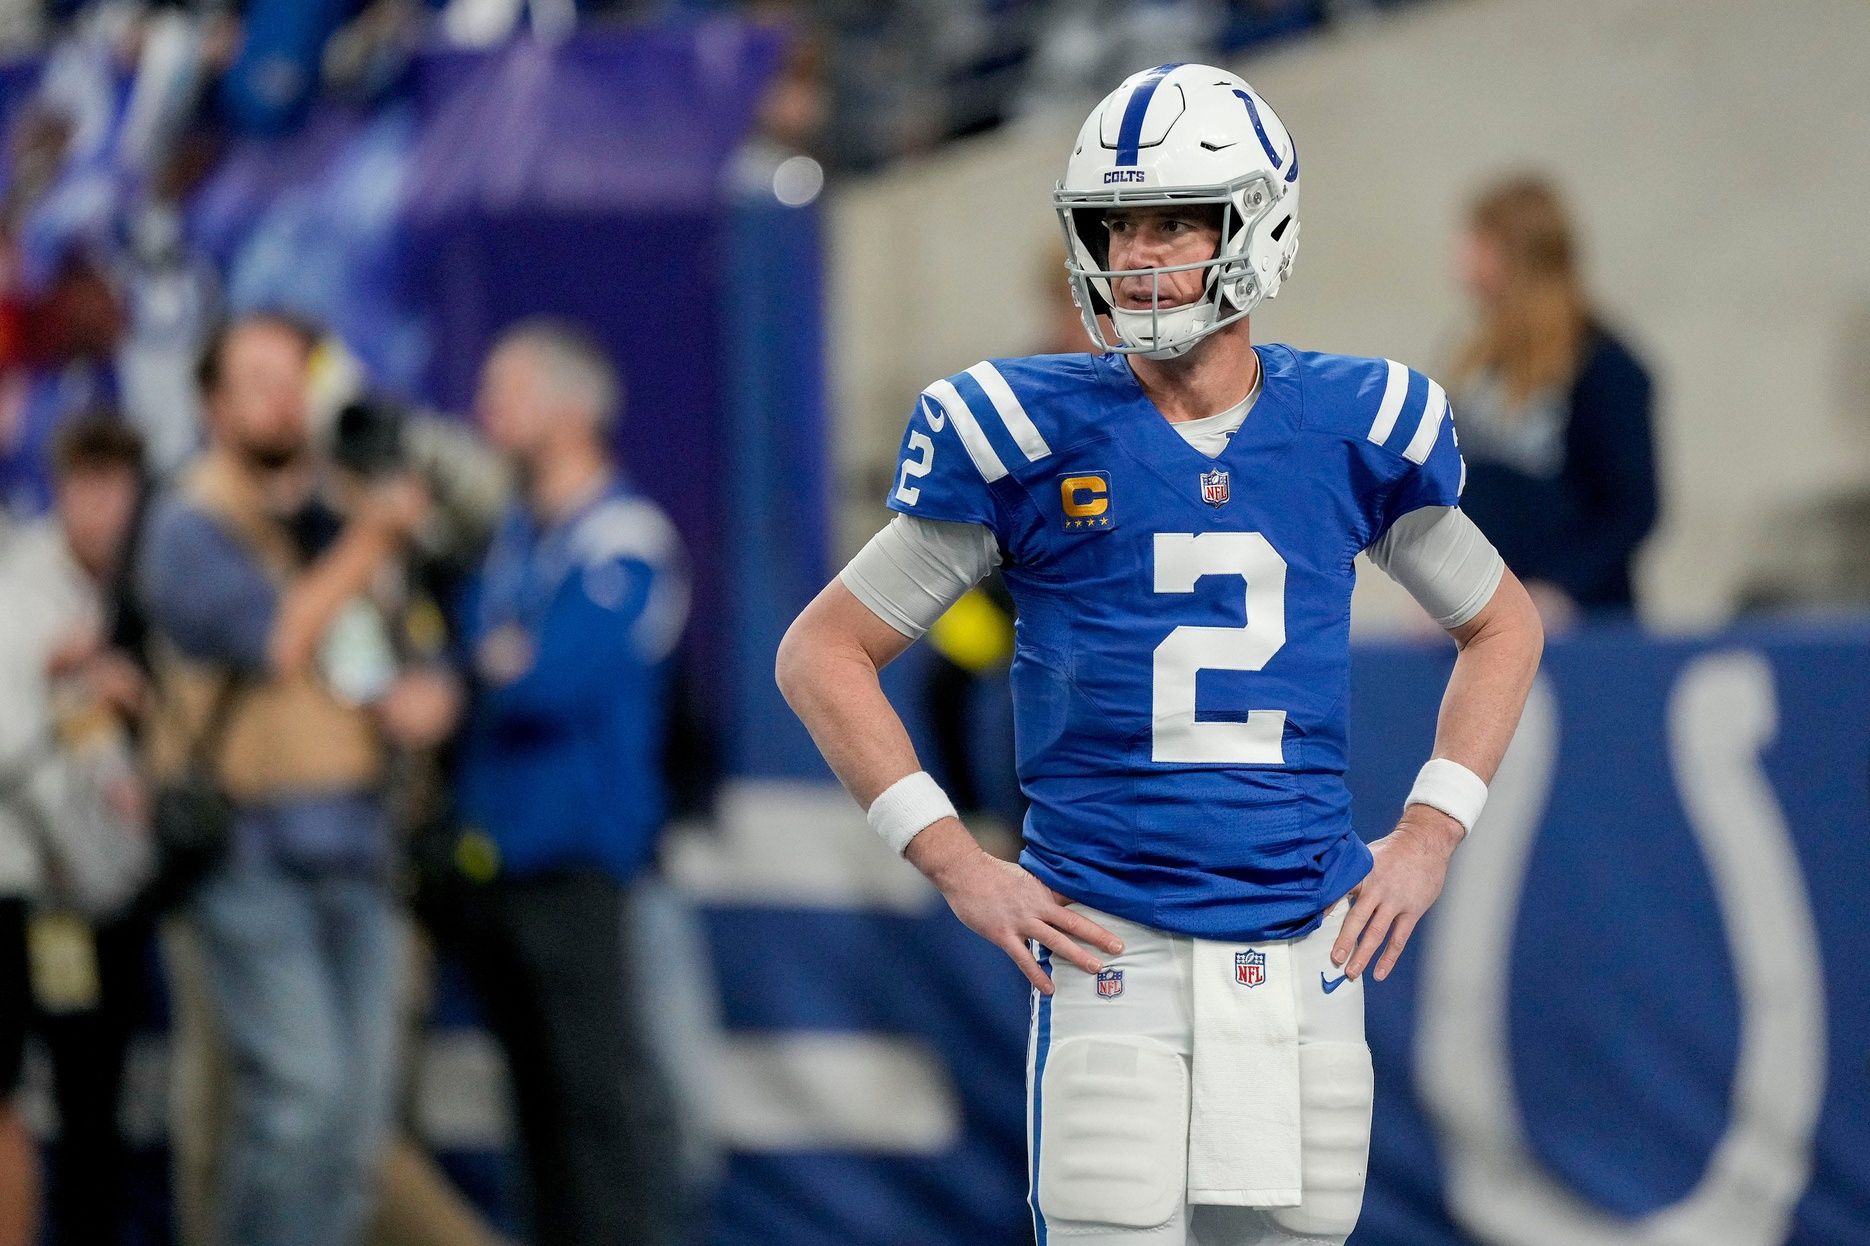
(1042, 1044)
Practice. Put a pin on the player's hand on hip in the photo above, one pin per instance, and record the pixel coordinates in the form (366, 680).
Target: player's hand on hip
(999, 901)
(1411, 865)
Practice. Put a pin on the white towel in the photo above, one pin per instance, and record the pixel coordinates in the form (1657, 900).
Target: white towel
(1243, 1131)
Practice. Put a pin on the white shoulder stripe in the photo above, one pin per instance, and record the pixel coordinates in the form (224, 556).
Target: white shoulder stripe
(1395, 389)
(1430, 427)
(985, 460)
(630, 528)
(1024, 431)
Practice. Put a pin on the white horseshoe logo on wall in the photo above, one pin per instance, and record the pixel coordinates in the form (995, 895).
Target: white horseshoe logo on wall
(1722, 712)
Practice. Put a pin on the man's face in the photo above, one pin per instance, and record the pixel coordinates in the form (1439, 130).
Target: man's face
(95, 508)
(520, 410)
(259, 406)
(514, 405)
(1161, 238)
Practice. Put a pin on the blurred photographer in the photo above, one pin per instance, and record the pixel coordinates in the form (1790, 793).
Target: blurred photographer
(263, 572)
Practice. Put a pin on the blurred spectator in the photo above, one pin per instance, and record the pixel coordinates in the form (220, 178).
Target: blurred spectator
(60, 366)
(1554, 410)
(172, 301)
(896, 79)
(22, 24)
(258, 573)
(19, 1166)
(886, 80)
(270, 85)
(68, 783)
(1085, 45)
(570, 627)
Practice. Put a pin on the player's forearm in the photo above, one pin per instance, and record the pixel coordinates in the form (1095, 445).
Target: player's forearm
(1499, 655)
(827, 668)
(834, 690)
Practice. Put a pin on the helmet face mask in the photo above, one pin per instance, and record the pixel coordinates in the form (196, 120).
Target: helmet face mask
(1180, 135)
(1229, 291)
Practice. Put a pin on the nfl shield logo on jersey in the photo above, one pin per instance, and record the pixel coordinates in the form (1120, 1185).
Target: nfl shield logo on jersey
(1249, 967)
(1110, 983)
(1214, 490)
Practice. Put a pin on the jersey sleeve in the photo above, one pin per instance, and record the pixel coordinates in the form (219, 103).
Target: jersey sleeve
(631, 564)
(1414, 425)
(946, 463)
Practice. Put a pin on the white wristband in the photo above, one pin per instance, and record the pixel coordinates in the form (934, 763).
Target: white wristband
(907, 806)
(1452, 788)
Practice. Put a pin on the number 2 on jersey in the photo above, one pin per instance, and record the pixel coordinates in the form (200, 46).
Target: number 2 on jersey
(1182, 559)
(917, 467)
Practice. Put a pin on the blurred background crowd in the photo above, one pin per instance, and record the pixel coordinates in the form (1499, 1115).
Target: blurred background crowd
(419, 419)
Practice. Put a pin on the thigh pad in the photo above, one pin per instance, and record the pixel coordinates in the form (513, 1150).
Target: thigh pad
(1113, 1145)
(1336, 1088)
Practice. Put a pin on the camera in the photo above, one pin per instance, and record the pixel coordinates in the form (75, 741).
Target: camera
(370, 437)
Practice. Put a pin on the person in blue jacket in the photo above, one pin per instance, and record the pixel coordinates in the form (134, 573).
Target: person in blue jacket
(569, 631)
(1556, 411)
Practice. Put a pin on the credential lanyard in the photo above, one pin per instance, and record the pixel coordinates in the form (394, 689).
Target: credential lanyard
(527, 565)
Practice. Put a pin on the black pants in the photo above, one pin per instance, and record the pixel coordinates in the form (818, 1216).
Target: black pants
(86, 1050)
(15, 994)
(546, 955)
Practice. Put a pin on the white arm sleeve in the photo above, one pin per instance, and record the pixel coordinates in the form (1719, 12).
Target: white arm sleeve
(1445, 562)
(914, 569)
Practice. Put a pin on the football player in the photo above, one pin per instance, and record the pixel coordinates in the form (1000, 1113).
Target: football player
(1177, 519)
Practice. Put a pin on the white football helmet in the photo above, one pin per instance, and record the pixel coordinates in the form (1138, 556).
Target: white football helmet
(1180, 134)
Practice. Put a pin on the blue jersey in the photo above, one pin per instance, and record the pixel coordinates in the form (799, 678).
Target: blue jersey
(562, 766)
(1183, 655)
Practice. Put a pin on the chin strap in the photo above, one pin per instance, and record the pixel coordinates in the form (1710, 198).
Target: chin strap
(1197, 328)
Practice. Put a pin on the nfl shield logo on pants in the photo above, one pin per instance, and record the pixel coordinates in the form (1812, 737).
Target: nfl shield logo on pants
(1249, 967)
(1214, 489)
(1110, 983)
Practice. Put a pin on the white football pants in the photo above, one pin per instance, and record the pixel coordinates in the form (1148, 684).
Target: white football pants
(1135, 1136)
